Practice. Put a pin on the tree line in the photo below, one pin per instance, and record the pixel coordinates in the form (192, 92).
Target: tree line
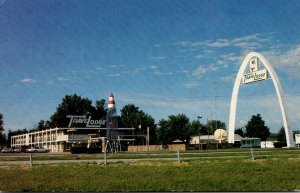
(167, 130)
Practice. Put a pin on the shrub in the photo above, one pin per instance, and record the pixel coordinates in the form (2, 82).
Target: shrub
(75, 150)
(279, 144)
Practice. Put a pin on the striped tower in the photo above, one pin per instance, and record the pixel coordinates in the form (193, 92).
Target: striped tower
(111, 101)
(112, 144)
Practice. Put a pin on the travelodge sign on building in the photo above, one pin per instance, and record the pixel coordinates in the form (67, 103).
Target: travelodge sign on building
(88, 121)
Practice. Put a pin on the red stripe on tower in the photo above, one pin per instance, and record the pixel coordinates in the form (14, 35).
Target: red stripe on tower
(111, 101)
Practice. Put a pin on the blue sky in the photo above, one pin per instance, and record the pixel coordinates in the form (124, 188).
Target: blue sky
(165, 56)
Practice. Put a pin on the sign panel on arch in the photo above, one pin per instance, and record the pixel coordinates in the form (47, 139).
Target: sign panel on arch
(255, 76)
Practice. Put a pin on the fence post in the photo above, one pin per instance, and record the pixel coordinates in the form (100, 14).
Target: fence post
(105, 150)
(252, 154)
(178, 156)
(105, 162)
(30, 159)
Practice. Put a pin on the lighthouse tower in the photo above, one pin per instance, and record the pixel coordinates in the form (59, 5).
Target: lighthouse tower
(112, 142)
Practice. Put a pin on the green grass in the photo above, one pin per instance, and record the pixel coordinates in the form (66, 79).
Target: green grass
(240, 174)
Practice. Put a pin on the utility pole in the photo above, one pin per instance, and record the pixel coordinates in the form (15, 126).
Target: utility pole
(148, 137)
(200, 146)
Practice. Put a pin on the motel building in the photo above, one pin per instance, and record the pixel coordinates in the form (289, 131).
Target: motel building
(55, 139)
(62, 139)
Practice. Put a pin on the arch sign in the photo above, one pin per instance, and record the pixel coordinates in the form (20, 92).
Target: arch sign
(255, 74)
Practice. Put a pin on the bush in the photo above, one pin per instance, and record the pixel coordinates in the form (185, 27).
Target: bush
(94, 150)
(76, 150)
(279, 144)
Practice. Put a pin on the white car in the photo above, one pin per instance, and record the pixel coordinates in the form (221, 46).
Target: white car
(37, 150)
(7, 150)
(16, 150)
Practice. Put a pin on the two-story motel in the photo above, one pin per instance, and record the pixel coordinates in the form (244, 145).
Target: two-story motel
(55, 139)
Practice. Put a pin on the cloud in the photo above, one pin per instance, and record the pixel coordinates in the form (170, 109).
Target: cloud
(2, 2)
(288, 61)
(28, 81)
(62, 79)
(229, 79)
(117, 65)
(153, 67)
(114, 75)
(183, 43)
(201, 70)
(158, 57)
(134, 71)
(244, 42)
(155, 70)
(191, 85)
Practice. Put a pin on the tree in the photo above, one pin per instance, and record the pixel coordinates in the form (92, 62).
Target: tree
(132, 117)
(164, 132)
(99, 112)
(71, 105)
(256, 128)
(281, 135)
(195, 126)
(2, 135)
(41, 125)
(240, 131)
(176, 127)
(213, 125)
(1, 123)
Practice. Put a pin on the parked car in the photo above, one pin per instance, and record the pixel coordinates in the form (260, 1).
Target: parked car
(37, 150)
(6, 150)
(16, 150)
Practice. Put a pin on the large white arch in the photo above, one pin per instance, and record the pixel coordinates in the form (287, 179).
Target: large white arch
(288, 133)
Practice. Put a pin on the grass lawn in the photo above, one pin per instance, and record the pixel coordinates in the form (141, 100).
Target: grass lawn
(263, 174)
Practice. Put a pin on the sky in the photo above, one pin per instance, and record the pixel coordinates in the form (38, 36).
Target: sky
(166, 57)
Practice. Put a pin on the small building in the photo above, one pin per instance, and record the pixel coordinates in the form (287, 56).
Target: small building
(297, 140)
(204, 139)
(267, 144)
(177, 145)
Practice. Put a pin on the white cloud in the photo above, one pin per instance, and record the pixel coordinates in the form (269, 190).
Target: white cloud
(200, 56)
(153, 67)
(201, 70)
(183, 43)
(288, 61)
(158, 57)
(117, 65)
(229, 78)
(190, 85)
(28, 81)
(244, 42)
(62, 79)
(185, 71)
(114, 75)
